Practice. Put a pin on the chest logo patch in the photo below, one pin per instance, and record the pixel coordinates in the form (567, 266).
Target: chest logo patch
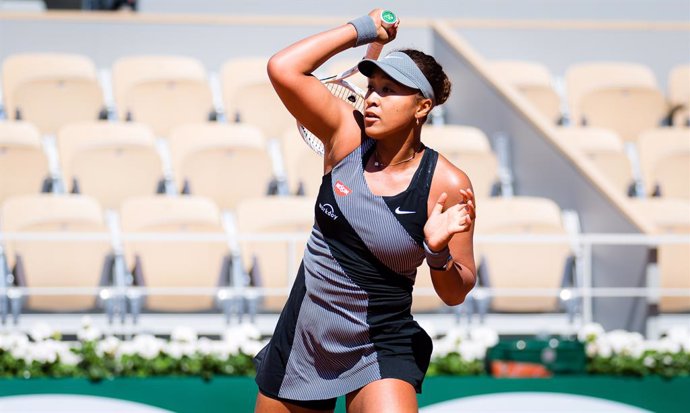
(328, 210)
(401, 212)
(341, 189)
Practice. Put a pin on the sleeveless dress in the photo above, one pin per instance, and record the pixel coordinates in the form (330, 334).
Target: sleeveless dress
(347, 321)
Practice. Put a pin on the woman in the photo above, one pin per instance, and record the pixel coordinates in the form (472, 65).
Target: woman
(386, 202)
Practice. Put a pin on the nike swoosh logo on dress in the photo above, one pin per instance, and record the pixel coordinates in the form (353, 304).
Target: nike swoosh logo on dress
(399, 212)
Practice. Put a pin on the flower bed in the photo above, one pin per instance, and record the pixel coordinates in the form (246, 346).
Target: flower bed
(460, 352)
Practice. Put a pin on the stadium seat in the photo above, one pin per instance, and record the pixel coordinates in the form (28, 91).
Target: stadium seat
(468, 148)
(679, 94)
(534, 81)
(274, 264)
(605, 149)
(670, 216)
(303, 166)
(57, 263)
(619, 96)
(51, 89)
(175, 263)
(162, 91)
(249, 97)
(518, 265)
(23, 164)
(665, 161)
(110, 161)
(224, 162)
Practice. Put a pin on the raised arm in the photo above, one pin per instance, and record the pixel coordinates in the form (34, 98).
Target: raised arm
(290, 71)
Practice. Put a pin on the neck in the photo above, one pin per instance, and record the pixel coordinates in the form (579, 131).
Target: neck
(386, 155)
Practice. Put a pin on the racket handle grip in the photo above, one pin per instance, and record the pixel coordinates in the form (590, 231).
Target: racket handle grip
(388, 19)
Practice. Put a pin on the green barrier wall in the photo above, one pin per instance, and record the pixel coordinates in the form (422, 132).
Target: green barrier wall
(236, 394)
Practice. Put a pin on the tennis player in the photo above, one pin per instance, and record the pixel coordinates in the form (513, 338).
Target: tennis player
(385, 204)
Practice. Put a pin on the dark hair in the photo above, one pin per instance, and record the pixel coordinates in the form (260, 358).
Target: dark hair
(433, 72)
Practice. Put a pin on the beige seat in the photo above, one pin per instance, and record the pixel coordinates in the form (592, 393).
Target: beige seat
(467, 148)
(249, 97)
(605, 149)
(175, 263)
(665, 161)
(518, 265)
(110, 161)
(303, 166)
(51, 89)
(679, 94)
(274, 264)
(670, 216)
(534, 81)
(224, 162)
(23, 164)
(57, 263)
(162, 91)
(615, 95)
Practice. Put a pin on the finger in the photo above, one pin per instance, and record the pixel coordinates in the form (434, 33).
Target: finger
(440, 203)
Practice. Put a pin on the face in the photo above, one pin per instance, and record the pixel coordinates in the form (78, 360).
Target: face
(389, 107)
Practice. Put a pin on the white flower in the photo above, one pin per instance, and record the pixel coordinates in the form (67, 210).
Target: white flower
(472, 350)
(590, 332)
(622, 341)
(108, 346)
(668, 360)
(86, 322)
(40, 332)
(591, 349)
(43, 352)
(147, 346)
(69, 358)
(678, 334)
(604, 348)
(89, 333)
(251, 348)
(184, 335)
(250, 331)
(204, 346)
(649, 361)
(485, 336)
(173, 349)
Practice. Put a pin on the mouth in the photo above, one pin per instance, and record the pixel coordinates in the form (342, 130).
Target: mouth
(370, 116)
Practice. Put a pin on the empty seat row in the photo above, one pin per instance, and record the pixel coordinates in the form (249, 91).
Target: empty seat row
(621, 96)
(664, 158)
(204, 258)
(226, 162)
(53, 89)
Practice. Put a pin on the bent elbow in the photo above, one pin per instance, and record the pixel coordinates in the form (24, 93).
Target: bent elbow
(275, 67)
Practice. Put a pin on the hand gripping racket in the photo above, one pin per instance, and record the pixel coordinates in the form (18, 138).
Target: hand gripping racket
(345, 90)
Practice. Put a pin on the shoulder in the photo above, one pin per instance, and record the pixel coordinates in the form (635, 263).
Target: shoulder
(448, 177)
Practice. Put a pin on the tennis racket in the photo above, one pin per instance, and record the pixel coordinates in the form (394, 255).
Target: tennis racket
(345, 90)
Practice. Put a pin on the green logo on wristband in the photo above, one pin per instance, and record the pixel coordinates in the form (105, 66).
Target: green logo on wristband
(388, 17)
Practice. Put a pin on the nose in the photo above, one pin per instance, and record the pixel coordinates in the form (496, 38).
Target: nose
(371, 99)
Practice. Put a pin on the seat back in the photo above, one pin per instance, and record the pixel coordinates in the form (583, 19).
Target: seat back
(110, 161)
(670, 216)
(23, 164)
(276, 262)
(626, 110)
(162, 91)
(665, 161)
(679, 94)
(223, 162)
(534, 81)
(249, 97)
(605, 149)
(467, 148)
(176, 263)
(522, 265)
(51, 89)
(303, 166)
(61, 263)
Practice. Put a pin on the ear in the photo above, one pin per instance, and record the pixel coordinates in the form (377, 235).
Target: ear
(424, 106)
